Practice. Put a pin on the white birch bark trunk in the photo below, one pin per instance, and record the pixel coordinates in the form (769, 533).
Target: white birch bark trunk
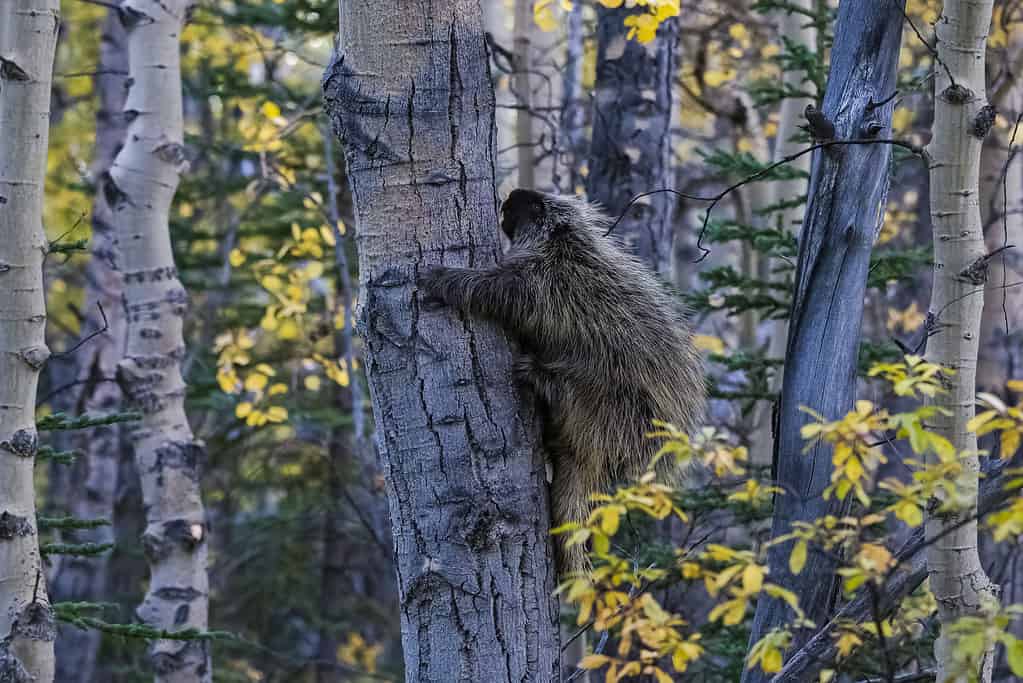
(28, 40)
(141, 187)
(1001, 350)
(524, 134)
(961, 120)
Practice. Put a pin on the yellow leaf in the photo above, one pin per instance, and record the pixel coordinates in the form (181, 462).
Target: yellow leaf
(609, 521)
(277, 414)
(255, 382)
(236, 257)
(716, 78)
(738, 31)
(312, 382)
(706, 342)
(753, 578)
(798, 558)
(1009, 444)
(771, 663)
(270, 110)
(242, 409)
(593, 661)
(543, 16)
(288, 330)
(328, 235)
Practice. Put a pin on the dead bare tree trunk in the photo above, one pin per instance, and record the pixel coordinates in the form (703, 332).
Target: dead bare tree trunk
(962, 118)
(409, 95)
(141, 188)
(848, 190)
(28, 40)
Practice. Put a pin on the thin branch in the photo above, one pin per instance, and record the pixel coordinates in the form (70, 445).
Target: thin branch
(106, 326)
(716, 198)
(923, 41)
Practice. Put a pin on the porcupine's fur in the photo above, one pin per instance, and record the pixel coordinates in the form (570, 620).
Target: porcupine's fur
(604, 347)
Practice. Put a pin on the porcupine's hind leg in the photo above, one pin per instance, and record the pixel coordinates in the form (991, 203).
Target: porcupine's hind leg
(569, 483)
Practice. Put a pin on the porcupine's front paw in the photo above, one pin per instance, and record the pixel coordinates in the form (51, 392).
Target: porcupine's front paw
(431, 288)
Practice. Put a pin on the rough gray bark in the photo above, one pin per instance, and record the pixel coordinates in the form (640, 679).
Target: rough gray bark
(848, 189)
(630, 151)
(28, 40)
(94, 476)
(141, 187)
(409, 95)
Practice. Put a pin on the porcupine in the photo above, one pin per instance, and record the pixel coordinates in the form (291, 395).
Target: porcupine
(604, 346)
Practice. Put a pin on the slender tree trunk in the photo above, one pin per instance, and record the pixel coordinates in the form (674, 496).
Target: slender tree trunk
(795, 27)
(141, 187)
(95, 474)
(572, 136)
(630, 152)
(524, 135)
(848, 190)
(1001, 195)
(410, 97)
(356, 540)
(961, 121)
(28, 39)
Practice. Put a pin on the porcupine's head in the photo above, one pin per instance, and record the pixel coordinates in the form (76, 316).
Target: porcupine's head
(535, 217)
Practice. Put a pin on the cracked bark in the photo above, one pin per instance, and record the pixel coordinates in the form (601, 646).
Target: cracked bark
(630, 151)
(28, 39)
(140, 188)
(409, 95)
(96, 473)
(957, 578)
(848, 189)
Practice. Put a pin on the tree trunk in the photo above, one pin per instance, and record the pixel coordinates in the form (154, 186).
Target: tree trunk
(141, 187)
(524, 135)
(356, 540)
(630, 151)
(95, 473)
(796, 27)
(848, 190)
(961, 120)
(571, 148)
(410, 97)
(1001, 197)
(28, 39)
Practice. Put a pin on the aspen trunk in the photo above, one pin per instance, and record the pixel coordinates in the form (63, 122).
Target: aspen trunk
(1001, 344)
(961, 121)
(141, 186)
(524, 134)
(28, 39)
(409, 95)
(630, 151)
(95, 474)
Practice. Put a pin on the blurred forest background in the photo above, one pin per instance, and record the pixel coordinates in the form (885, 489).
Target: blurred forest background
(271, 500)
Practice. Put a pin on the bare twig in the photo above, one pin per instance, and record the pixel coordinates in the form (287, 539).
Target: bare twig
(106, 326)
(715, 199)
